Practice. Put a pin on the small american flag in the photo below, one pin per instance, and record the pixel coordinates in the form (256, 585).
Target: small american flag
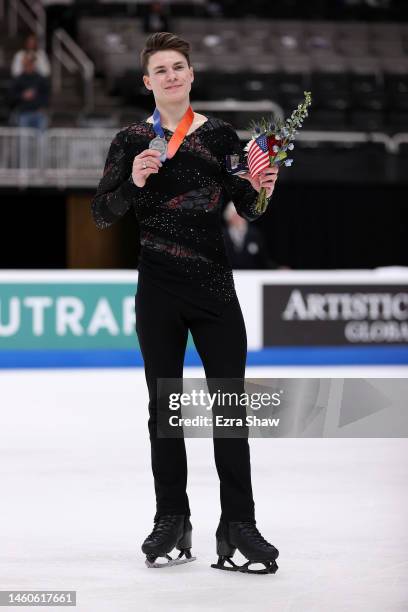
(258, 155)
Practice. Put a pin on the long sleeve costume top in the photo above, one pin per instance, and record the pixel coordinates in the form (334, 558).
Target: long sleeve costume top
(179, 209)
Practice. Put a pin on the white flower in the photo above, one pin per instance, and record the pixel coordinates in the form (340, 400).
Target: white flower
(291, 146)
(275, 148)
(288, 162)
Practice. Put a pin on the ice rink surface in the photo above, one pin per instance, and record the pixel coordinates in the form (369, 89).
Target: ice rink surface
(77, 501)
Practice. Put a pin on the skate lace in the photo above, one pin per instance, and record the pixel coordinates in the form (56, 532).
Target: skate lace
(163, 525)
(250, 530)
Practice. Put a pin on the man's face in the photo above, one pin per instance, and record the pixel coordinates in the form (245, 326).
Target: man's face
(169, 76)
(237, 221)
(31, 43)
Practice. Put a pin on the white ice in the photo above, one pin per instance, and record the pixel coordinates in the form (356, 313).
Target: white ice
(77, 500)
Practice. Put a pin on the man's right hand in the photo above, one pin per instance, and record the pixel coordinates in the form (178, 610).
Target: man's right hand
(145, 164)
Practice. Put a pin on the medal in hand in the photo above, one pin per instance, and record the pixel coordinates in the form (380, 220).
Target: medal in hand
(159, 144)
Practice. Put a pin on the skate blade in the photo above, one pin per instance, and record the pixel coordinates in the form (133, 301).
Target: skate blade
(270, 567)
(226, 569)
(221, 565)
(169, 563)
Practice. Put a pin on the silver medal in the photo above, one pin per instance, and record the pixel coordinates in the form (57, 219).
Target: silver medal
(160, 144)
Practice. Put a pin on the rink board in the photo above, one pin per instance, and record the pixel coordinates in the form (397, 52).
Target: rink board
(78, 318)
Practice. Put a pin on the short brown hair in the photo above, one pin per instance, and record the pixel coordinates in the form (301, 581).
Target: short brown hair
(163, 41)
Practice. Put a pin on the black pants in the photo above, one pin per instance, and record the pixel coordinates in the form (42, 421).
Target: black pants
(162, 324)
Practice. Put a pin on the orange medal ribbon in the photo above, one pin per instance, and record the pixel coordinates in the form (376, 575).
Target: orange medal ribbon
(180, 133)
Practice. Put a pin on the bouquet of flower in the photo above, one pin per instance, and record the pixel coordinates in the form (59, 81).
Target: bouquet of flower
(271, 141)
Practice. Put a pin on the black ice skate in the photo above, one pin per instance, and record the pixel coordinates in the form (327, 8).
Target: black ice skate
(245, 536)
(169, 531)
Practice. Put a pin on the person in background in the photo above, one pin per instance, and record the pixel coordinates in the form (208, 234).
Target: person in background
(156, 18)
(244, 243)
(30, 97)
(30, 49)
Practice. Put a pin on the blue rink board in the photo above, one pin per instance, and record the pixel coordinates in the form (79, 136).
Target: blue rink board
(286, 356)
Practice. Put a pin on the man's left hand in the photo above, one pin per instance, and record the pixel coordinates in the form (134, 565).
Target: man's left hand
(267, 179)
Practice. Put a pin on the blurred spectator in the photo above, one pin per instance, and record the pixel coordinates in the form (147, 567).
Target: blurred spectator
(244, 243)
(156, 18)
(41, 63)
(213, 8)
(30, 96)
